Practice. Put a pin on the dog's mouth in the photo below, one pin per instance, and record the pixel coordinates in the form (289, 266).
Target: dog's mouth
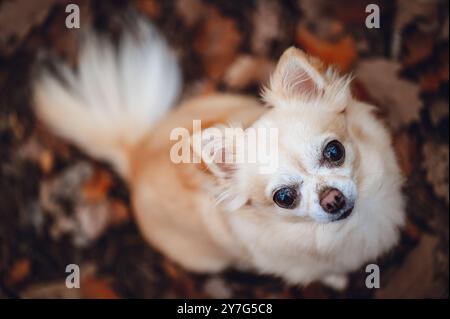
(345, 214)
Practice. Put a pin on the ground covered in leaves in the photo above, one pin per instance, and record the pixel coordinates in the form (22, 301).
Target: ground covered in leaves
(59, 207)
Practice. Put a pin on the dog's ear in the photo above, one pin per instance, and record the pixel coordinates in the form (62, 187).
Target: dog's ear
(217, 150)
(297, 74)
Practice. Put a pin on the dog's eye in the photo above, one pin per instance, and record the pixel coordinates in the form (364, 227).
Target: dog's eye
(334, 152)
(285, 197)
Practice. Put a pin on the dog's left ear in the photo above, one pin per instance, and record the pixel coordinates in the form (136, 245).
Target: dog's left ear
(297, 75)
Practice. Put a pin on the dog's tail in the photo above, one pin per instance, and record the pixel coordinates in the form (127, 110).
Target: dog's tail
(115, 96)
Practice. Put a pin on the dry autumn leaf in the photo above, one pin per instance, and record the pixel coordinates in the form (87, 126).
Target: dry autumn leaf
(418, 47)
(98, 186)
(342, 53)
(248, 70)
(217, 43)
(405, 148)
(119, 212)
(149, 7)
(19, 271)
(266, 25)
(436, 167)
(399, 98)
(17, 18)
(97, 288)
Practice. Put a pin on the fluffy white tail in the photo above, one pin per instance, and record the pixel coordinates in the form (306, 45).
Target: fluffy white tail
(114, 97)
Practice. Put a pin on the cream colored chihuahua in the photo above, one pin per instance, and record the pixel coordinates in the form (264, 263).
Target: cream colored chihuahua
(332, 203)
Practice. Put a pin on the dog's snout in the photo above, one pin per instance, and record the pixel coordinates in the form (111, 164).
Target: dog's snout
(332, 200)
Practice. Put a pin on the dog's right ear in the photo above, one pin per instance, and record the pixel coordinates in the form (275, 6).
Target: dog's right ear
(297, 75)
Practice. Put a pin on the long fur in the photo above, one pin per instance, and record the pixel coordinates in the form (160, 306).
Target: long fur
(114, 97)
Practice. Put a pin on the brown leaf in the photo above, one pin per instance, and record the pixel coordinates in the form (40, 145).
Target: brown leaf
(190, 11)
(97, 288)
(438, 111)
(416, 276)
(97, 188)
(412, 231)
(434, 76)
(436, 166)
(149, 7)
(65, 41)
(17, 19)
(399, 98)
(19, 272)
(248, 70)
(341, 53)
(57, 145)
(314, 291)
(266, 26)
(418, 47)
(405, 147)
(50, 290)
(217, 43)
(119, 212)
(46, 161)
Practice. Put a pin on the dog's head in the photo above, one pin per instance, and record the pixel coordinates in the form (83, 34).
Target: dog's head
(314, 162)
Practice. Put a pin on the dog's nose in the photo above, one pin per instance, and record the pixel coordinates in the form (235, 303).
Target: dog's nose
(332, 200)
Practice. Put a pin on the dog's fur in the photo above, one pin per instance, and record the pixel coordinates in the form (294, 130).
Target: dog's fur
(113, 110)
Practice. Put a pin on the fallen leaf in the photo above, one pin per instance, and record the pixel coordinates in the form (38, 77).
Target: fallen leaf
(34, 151)
(216, 287)
(266, 26)
(418, 47)
(436, 162)
(412, 231)
(149, 7)
(96, 189)
(416, 276)
(248, 70)
(119, 212)
(405, 148)
(314, 291)
(217, 43)
(435, 75)
(425, 13)
(399, 98)
(19, 271)
(438, 111)
(341, 53)
(91, 221)
(190, 11)
(97, 288)
(46, 161)
(50, 290)
(17, 19)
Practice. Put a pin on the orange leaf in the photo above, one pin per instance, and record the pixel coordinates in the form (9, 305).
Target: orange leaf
(149, 7)
(405, 147)
(98, 187)
(119, 212)
(95, 288)
(341, 54)
(46, 161)
(19, 272)
(217, 43)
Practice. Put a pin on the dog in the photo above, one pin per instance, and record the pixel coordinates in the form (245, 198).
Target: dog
(331, 203)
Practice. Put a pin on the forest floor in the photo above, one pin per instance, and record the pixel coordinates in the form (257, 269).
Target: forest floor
(60, 207)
